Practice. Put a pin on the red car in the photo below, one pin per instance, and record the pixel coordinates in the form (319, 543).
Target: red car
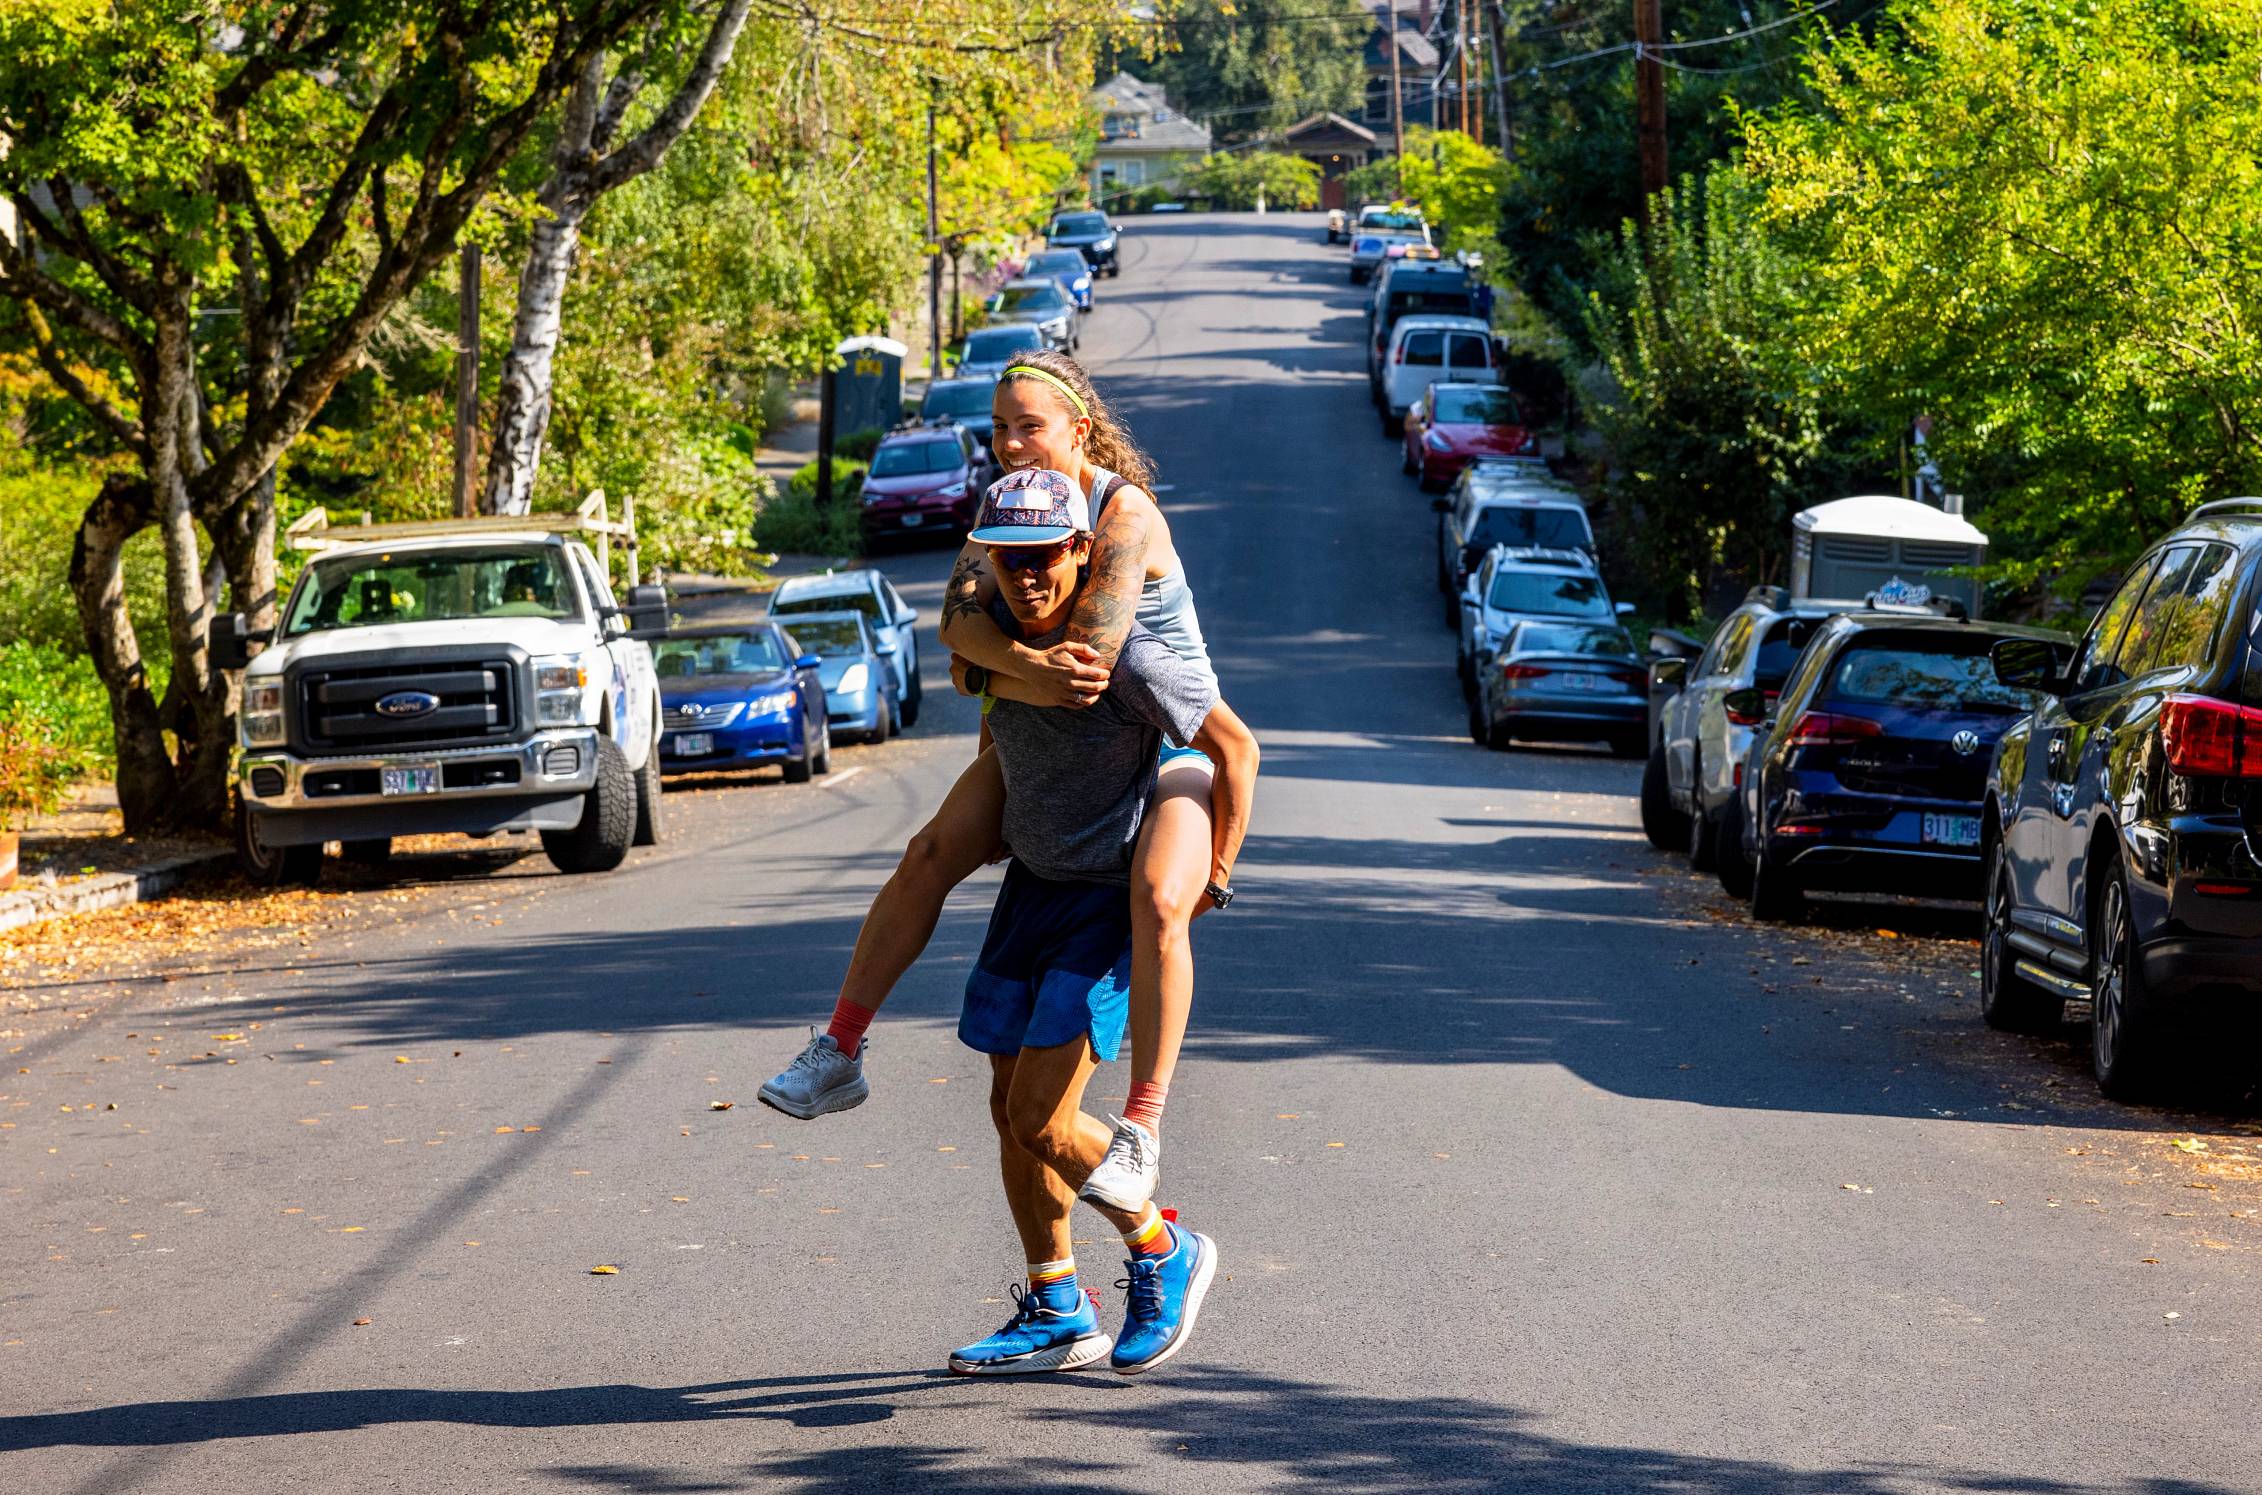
(923, 480)
(1455, 424)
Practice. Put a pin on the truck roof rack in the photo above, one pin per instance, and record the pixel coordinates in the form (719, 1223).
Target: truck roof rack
(313, 532)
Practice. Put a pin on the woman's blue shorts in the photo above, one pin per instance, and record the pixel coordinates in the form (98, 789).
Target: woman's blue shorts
(1056, 963)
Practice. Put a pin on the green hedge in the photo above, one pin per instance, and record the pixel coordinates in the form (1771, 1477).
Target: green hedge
(792, 521)
(57, 692)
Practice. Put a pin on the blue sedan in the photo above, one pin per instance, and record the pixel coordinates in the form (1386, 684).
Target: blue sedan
(859, 693)
(739, 696)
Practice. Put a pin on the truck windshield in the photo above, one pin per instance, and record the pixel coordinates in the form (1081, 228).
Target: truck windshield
(375, 588)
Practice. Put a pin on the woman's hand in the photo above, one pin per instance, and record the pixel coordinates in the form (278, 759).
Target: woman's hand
(1067, 674)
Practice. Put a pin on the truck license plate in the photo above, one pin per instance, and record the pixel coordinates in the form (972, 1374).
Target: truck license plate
(409, 778)
(1951, 830)
(694, 744)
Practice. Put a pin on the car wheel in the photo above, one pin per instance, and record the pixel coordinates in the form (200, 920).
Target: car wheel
(1666, 827)
(272, 866)
(1408, 466)
(648, 795)
(375, 852)
(1734, 863)
(1776, 897)
(883, 724)
(797, 770)
(2007, 1000)
(1453, 609)
(1629, 745)
(823, 763)
(1393, 426)
(599, 841)
(2123, 1041)
(1703, 845)
(1465, 666)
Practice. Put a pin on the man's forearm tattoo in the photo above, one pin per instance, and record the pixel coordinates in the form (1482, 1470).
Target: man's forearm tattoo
(1102, 619)
(964, 593)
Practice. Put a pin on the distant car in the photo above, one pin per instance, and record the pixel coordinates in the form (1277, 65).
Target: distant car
(1523, 584)
(890, 618)
(738, 696)
(1424, 349)
(964, 403)
(1491, 505)
(859, 703)
(1696, 760)
(1369, 248)
(927, 480)
(1069, 268)
(1870, 774)
(1338, 229)
(1039, 301)
(2121, 818)
(1091, 234)
(1414, 288)
(1383, 215)
(1457, 423)
(989, 349)
(1563, 682)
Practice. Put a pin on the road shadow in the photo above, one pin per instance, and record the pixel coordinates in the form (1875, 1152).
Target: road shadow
(1236, 1429)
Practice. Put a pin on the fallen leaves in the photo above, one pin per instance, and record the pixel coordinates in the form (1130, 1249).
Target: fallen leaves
(604, 1270)
(720, 1105)
(360, 1323)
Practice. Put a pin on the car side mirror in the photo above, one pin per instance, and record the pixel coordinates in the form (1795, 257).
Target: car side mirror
(2030, 664)
(883, 648)
(1440, 505)
(1671, 673)
(905, 617)
(1746, 707)
(807, 662)
(647, 612)
(1623, 609)
(228, 641)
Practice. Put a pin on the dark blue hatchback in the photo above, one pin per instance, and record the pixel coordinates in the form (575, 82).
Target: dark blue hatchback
(1870, 774)
(739, 696)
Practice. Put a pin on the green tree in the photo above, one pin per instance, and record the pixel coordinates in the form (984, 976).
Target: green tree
(2037, 222)
(1457, 184)
(1240, 181)
(1253, 66)
(215, 222)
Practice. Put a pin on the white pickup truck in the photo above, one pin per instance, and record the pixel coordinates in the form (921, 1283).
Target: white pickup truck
(470, 676)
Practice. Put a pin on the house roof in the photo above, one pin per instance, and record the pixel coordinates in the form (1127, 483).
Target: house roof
(1161, 128)
(1326, 123)
(1124, 94)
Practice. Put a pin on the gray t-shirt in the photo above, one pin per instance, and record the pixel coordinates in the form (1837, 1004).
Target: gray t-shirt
(1076, 782)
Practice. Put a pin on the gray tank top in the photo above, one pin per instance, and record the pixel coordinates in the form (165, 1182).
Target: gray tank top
(1166, 603)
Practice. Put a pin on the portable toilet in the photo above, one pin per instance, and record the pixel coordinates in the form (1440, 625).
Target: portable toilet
(1892, 549)
(868, 386)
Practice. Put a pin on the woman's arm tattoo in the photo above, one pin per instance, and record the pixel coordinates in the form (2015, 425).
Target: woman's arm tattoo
(1102, 619)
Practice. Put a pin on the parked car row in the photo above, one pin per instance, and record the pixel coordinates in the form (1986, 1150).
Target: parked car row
(836, 655)
(2091, 794)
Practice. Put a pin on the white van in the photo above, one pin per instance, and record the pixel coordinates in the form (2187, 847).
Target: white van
(1425, 349)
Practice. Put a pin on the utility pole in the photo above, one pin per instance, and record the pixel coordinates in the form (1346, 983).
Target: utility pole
(1476, 105)
(934, 254)
(1397, 106)
(1461, 56)
(1649, 96)
(1499, 84)
(467, 375)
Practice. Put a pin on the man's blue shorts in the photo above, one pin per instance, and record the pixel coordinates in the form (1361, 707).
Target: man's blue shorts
(1056, 964)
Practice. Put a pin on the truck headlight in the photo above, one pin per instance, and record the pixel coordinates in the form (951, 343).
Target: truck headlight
(854, 679)
(558, 686)
(260, 711)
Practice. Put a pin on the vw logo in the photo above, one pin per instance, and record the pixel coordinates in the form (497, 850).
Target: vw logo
(1965, 742)
(407, 703)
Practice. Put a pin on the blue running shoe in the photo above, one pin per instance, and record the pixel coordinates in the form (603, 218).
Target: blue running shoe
(1166, 1295)
(1046, 1332)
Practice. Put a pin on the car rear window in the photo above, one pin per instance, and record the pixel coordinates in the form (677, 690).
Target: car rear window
(1554, 527)
(829, 636)
(1950, 672)
(904, 459)
(751, 653)
(972, 398)
(1057, 262)
(1468, 351)
(1444, 301)
(1425, 348)
(1551, 594)
(830, 602)
(993, 344)
(1564, 638)
(1046, 297)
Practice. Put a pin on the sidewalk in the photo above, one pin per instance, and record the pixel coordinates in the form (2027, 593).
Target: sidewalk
(80, 859)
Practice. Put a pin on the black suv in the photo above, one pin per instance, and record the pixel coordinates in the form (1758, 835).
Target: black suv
(2121, 823)
(1091, 234)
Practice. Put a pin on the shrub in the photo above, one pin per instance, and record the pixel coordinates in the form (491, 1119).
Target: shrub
(53, 692)
(35, 772)
(858, 445)
(793, 521)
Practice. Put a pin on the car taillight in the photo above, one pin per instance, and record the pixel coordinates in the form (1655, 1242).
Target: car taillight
(2204, 737)
(1829, 729)
(1524, 671)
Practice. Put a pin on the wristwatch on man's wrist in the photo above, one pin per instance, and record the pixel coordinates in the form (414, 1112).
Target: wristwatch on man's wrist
(977, 680)
(1220, 893)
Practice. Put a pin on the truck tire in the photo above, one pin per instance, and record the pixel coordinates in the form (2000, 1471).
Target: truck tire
(648, 788)
(375, 852)
(599, 841)
(273, 866)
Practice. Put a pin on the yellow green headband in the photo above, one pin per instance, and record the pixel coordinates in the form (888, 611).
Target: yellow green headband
(1055, 381)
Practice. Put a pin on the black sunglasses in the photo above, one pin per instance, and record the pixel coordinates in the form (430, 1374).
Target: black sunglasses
(1031, 557)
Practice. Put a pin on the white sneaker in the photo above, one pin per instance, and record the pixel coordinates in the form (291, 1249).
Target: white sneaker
(1125, 1178)
(819, 1080)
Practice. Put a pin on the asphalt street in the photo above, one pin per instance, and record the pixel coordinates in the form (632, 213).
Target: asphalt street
(1532, 1165)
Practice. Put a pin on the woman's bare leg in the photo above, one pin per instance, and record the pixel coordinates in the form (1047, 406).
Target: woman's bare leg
(1168, 875)
(947, 850)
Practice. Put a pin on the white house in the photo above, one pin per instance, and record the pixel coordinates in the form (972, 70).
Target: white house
(1142, 139)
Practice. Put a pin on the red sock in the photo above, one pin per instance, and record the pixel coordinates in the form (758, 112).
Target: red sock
(848, 1025)
(1144, 1104)
(1150, 1237)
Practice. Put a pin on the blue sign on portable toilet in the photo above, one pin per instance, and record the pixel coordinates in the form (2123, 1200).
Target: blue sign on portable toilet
(868, 386)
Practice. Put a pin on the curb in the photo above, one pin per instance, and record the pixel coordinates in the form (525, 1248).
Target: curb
(111, 890)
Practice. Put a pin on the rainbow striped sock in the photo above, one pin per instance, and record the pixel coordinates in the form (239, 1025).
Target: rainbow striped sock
(1053, 1279)
(1150, 1237)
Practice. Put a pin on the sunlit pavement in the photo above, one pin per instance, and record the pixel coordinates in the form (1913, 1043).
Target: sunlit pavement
(1532, 1165)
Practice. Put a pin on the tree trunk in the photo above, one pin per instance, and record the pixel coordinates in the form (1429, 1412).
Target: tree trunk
(522, 405)
(121, 510)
